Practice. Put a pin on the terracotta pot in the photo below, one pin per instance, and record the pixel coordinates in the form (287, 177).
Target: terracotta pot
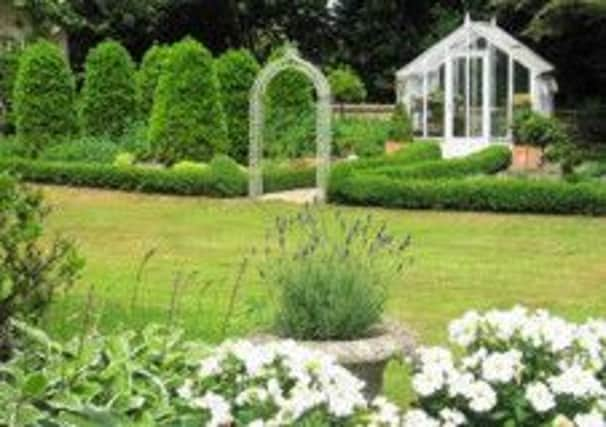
(365, 358)
(527, 157)
(394, 146)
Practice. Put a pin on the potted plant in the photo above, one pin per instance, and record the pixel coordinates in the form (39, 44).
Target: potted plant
(532, 133)
(400, 132)
(329, 277)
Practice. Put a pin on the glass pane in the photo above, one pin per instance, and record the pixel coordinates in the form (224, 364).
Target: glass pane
(435, 102)
(459, 71)
(521, 87)
(476, 98)
(500, 93)
(415, 90)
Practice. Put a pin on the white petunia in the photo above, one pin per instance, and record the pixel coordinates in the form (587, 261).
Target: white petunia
(540, 397)
(502, 367)
(482, 397)
(418, 418)
(452, 418)
(590, 420)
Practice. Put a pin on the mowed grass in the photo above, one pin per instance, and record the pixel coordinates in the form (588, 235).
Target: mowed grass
(459, 261)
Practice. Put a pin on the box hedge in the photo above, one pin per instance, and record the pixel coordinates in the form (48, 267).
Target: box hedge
(109, 94)
(473, 194)
(489, 161)
(44, 97)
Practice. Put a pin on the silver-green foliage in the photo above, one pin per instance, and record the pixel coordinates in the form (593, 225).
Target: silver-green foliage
(118, 380)
(331, 274)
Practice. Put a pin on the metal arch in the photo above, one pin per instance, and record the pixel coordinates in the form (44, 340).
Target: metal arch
(291, 61)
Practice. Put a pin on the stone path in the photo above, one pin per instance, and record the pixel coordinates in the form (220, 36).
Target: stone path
(301, 196)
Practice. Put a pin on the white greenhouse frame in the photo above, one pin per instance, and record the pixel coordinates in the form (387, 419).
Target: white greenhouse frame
(465, 89)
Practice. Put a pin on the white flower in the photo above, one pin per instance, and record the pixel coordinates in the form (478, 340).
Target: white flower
(464, 331)
(427, 383)
(482, 398)
(502, 367)
(219, 408)
(452, 418)
(209, 367)
(540, 397)
(386, 413)
(577, 382)
(590, 420)
(418, 418)
(460, 384)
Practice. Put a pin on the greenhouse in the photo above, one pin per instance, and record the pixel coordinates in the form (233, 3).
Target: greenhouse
(465, 90)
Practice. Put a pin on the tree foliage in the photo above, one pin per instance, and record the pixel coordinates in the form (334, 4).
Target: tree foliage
(109, 101)
(187, 121)
(9, 65)
(346, 85)
(237, 70)
(30, 270)
(152, 66)
(44, 97)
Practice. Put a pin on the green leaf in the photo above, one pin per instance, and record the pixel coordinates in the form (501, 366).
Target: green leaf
(35, 384)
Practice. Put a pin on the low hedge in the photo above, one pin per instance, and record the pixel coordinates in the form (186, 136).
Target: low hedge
(412, 153)
(219, 180)
(473, 194)
(129, 178)
(489, 161)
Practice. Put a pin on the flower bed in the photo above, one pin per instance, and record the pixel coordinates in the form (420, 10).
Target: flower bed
(517, 368)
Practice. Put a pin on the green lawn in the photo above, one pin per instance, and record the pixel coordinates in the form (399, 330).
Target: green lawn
(459, 261)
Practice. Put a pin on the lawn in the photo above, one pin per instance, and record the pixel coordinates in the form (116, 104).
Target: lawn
(459, 261)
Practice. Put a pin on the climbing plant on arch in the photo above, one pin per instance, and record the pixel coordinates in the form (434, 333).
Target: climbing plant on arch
(290, 61)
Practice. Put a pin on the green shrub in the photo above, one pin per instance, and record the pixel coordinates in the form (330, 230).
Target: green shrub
(187, 166)
(237, 71)
(32, 267)
(9, 65)
(290, 117)
(331, 274)
(364, 137)
(532, 128)
(44, 97)
(346, 85)
(130, 378)
(153, 64)
(283, 179)
(10, 147)
(124, 160)
(109, 94)
(85, 149)
(489, 161)
(228, 176)
(130, 178)
(474, 194)
(401, 125)
(187, 118)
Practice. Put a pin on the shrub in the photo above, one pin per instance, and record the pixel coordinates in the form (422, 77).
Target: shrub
(237, 71)
(288, 178)
(32, 267)
(244, 384)
(401, 125)
(187, 166)
(187, 118)
(109, 101)
(124, 160)
(9, 65)
(10, 147)
(477, 194)
(346, 85)
(85, 149)
(126, 379)
(364, 137)
(515, 367)
(290, 117)
(531, 128)
(44, 97)
(228, 175)
(128, 178)
(331, 275)
(153, 64)
(489, 161)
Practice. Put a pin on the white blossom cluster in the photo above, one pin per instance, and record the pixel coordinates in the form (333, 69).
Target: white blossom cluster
(520, 366)
(279, 384)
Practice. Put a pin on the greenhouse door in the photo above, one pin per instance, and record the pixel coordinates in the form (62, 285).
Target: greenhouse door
(467, 96)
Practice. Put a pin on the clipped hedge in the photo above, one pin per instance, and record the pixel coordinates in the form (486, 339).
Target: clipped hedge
(44, 97)
(489, 161)
(283, 179)
(210, 182)
(473, 194)
(109, 94)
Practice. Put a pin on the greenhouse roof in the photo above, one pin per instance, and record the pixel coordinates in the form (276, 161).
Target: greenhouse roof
(471, 31)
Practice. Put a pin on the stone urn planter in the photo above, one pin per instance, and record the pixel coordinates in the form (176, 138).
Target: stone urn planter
(366, 358)
(527, 157)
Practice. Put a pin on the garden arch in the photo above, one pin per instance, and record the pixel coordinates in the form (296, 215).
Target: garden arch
(290, 61)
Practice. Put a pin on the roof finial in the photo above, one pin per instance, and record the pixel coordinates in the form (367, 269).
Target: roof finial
(493, 21)
(467, 19)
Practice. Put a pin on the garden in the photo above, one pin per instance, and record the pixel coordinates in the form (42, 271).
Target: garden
(139, 286)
